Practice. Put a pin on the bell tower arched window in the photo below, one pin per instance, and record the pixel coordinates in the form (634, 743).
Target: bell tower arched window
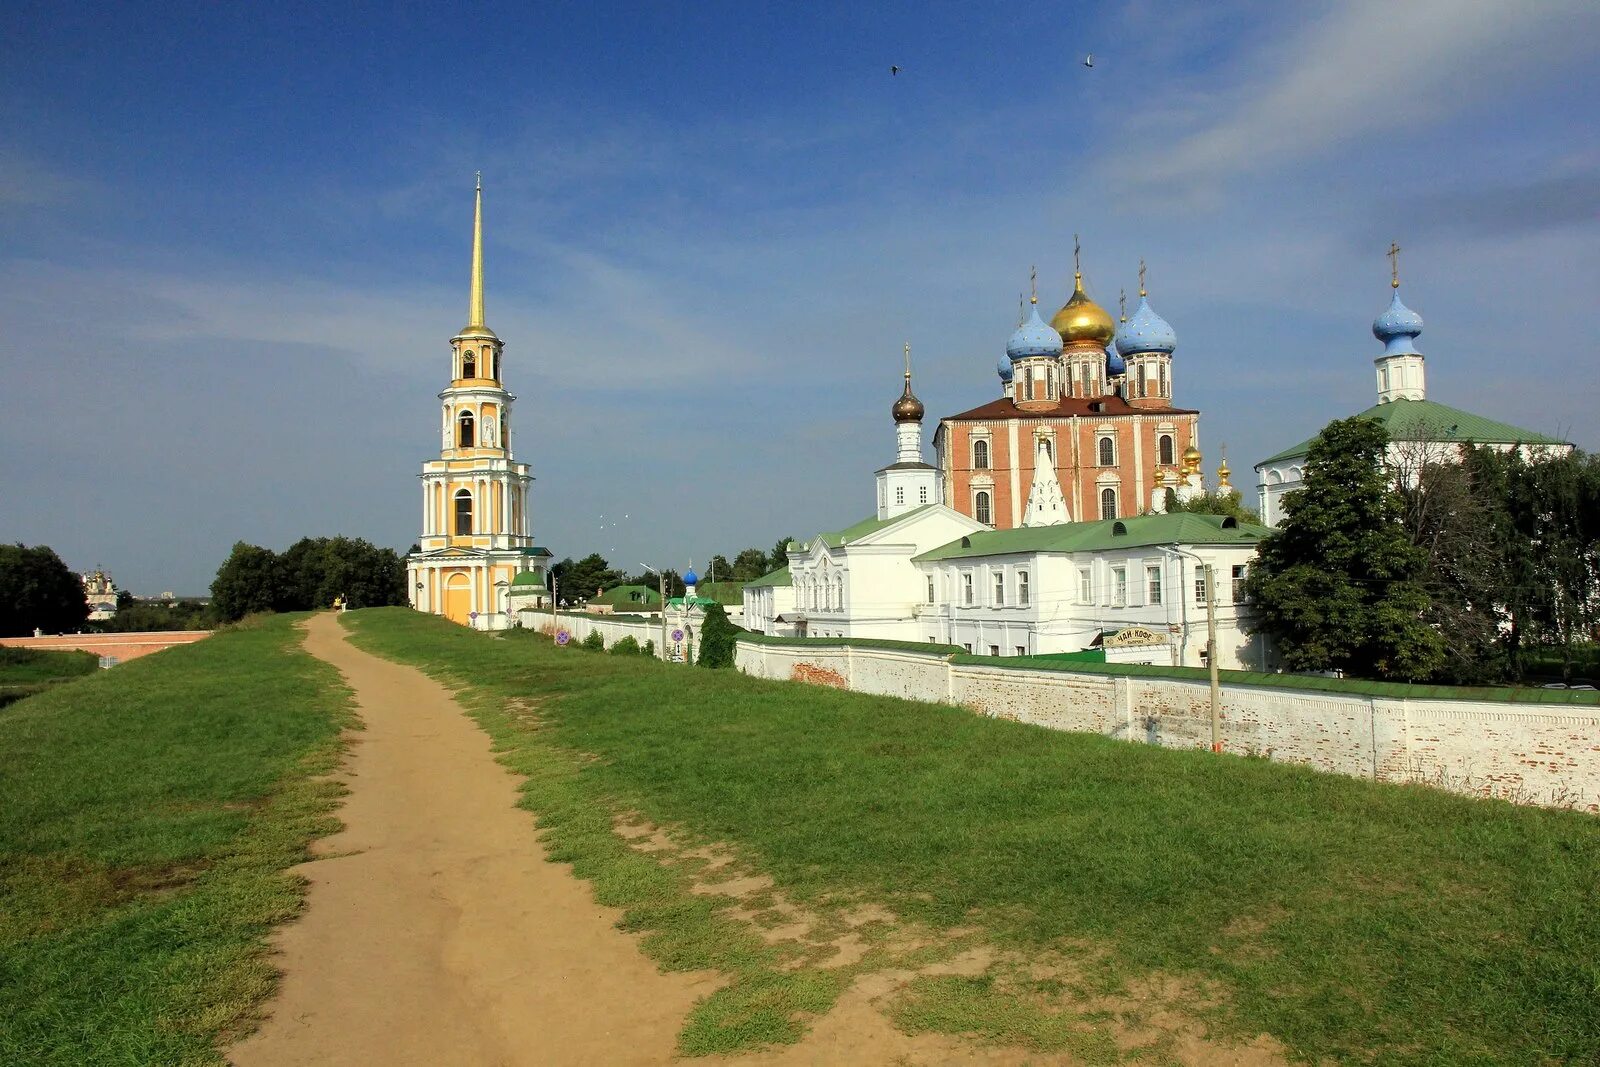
(488, 362)
(464, 430)
(1108, 503)
(1108, 452)
(980, 508)
(469, 363)
(1167, 453)
(980, 455)
(463, 512)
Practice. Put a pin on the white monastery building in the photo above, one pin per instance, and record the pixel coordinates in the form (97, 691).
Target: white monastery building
(475, 545)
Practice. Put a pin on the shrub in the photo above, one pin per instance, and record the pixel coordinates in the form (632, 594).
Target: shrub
(717, 637)
(626, 647)
(649, 648)
(594, 642)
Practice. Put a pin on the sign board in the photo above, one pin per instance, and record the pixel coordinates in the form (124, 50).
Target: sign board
(677, 635)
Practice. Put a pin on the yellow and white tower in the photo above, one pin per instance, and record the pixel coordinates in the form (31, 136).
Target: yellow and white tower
(475, 522)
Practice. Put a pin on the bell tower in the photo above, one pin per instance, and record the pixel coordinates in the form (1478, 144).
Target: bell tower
(475, 508)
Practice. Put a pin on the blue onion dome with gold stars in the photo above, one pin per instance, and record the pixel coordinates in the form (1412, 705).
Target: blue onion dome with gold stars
(1145, 331)
(1005, 370)
(1397, 328)
(1033, 338)
(1115, 364)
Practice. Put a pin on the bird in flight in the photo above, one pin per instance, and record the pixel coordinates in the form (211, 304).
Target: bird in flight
(893, 71)
(1088, 60)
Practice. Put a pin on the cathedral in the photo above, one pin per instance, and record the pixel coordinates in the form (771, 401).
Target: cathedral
(475, 542)
(1085, 403)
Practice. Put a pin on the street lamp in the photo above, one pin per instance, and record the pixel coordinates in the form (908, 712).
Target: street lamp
(1211, 638)
(662, 576)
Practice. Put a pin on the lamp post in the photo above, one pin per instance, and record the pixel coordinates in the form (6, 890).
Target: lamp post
(662, 583)
(1209, 576)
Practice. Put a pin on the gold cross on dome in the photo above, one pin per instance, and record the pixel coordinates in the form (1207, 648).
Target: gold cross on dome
(1394, 264)
(1077, 257)
(908, 359)
(1033, 283)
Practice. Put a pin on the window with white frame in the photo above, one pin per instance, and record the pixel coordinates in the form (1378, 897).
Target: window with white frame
(1168, 454)
(1119, 587)
(1238, 585)
(1023, 593)
(999, 588)
(980, 507)
(1200, 587)
(994, 650)
(1085, 587)
(980, 455)
(966, 588)
(899, 495)
(1108, 503)
(1022, 650)
(968, 646)
(922, 495)
(930, 589)
(1152, 584)
(1108, 451)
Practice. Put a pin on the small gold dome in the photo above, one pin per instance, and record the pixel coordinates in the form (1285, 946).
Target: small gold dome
(1191, 459)
(1081, 319)
(908, 408)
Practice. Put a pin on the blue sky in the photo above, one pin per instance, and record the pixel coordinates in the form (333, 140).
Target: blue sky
(234, 240)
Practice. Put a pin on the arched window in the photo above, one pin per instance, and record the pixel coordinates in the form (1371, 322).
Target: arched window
(469, 364)
(1049, 449)
(488, 363)
(1166, 386)
(1030, 383)
(463, 512)
(980, 508)
(1108, 452)
(1167, 453)
(1108, 503)
(464, 429)
(980, 455)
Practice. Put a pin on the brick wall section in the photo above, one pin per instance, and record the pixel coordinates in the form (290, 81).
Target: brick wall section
(121, 647)
(1528, 753)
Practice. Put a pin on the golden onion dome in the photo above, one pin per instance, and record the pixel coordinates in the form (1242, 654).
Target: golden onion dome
(1081, 319)
(908, 408)
(1191, 459)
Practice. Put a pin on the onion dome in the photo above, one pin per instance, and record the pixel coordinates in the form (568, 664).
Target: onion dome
(1081, 319)
(1397, 328)
(1005, 370)
(1191, 460)
(1145, 332)
(1116, 366)
(690, 577)
(908, 408)
(1033, 338)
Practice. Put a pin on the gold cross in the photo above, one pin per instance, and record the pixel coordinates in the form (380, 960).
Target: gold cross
(1122, 304)
(1077, 263)
(1394, 264)
(1141, 276)
(1033, 282)
(908, 360)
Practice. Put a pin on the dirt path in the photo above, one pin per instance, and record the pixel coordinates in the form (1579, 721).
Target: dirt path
(435, 932)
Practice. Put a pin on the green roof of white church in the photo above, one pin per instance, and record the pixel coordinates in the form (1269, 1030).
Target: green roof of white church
(1428, 420)
(779, 577)
(1139, 531)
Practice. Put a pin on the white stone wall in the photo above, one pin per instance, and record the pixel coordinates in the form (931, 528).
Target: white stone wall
(1529, 753)
(611, 628)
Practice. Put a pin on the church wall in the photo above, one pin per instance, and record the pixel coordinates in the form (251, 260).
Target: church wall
(1525, 752)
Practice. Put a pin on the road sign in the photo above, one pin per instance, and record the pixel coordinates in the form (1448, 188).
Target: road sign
(677, 635)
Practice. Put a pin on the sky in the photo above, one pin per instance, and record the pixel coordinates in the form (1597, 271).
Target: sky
(234, 244)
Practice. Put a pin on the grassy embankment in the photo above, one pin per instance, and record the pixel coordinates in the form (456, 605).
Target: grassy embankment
(146, 819)
(26, 671)
(1350, 920)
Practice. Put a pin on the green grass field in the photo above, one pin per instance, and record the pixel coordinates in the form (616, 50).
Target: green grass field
(26, 671)
(1350, 920)
(146, 818)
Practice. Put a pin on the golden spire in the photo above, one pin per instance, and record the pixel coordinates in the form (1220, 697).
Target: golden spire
(1223, 471)
(908, 362)
(1077, 263)
(1033, 283)
(475, 301)
(1141, 277)
(1394, 265)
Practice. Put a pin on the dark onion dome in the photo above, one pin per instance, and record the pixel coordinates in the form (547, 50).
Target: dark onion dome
(908, 408)
(1006, 370)
(1397, 328)
(1033, 338)
(1145, 332)
(1081, 319)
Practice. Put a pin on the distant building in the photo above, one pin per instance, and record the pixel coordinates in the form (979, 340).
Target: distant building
(101, 593)
(1420, 430)
(475, 543)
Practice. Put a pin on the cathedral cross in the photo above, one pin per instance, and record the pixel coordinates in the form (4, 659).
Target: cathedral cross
(1077, 261)
(1394, 264)
(1141, 276)
(908, 361)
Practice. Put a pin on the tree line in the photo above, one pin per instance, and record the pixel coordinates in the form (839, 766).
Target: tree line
(592, 574)
(1397, 561)
(309, 574)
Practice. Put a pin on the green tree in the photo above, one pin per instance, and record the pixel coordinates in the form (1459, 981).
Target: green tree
(717, 637)
(780, 555)
(749, 565)
(718, 570)
(1338, 585)
(125, 600)
(581, 580)
(1213, 502)
(364, 574)
(249, 580)
(38, 591)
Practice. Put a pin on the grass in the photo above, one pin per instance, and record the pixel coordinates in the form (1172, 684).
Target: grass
(26, 671)
(146, 818)
(1353, 921)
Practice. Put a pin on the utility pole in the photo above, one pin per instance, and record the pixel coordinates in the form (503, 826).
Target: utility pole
(1211, 659)
(661, 581)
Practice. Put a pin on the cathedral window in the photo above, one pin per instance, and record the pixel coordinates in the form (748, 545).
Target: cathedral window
(469, 364)
(930, 589)
(1139, 378)
(1108, 452)
(980, 455)
(1022, 588)
(1108, 503)
(999, 589)
(463, 512)
(966, 588)
(1165, 446)
(899, 494)
(1166, 388)
(980, 508)
(1030, 383)
(464, 432)
(922, 495)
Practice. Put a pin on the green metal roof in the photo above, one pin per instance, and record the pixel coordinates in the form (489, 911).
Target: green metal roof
(533, 578)
(1179, 528)
(779, 577)
(627, 595)
(1428, 420)
(861, 529)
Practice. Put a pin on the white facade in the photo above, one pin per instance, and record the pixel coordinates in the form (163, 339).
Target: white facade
(769, 607)
(1031, 603)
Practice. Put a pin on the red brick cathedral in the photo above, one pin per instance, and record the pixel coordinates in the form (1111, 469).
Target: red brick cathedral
(1090, 396)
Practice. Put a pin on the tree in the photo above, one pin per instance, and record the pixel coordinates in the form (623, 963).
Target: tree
(1338, 585)
(125, 600)
(749, 565)
(1213, 502)
(780, 555)
(249, 580)
(719, 570)
(717, 637)
(38, 591)
(581, 580)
